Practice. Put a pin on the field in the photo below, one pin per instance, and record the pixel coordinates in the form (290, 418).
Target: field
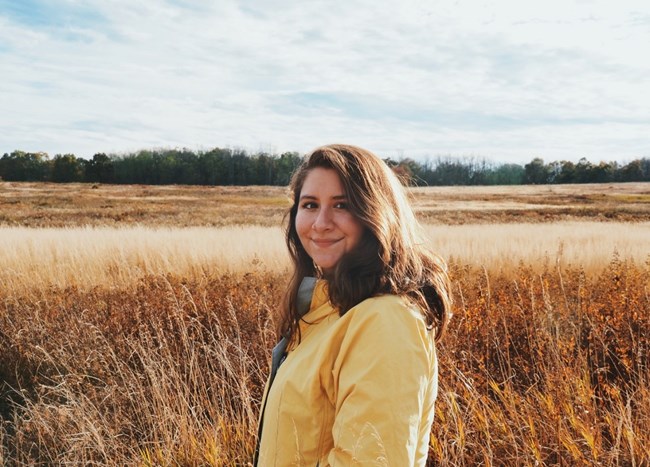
(75, 204)
(137, 321)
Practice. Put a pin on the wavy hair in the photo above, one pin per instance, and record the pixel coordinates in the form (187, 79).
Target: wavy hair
(390, 258)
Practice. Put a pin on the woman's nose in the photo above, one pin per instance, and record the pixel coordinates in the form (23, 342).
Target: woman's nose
(323, 220)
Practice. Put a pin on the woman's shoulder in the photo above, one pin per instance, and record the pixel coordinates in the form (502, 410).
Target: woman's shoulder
(389, 310)
(385, 301)
(390, 324)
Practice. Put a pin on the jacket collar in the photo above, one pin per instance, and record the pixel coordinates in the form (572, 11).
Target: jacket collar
(319, 308)
(320, 295)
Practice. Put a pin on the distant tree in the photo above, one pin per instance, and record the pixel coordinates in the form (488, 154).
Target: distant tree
(554, 171)
(604, 172)
(23, 166)
(99, 169)
(645, 169)
(632, 172)
(448, 171)
(66, 168)
(567, 173)
(221, 166)
(213, 166)
(479, 171)
(536, 173)
(186, 166)
(145, 168)
(506, 174)
(261, 168)
(286, 165)
(583, 171)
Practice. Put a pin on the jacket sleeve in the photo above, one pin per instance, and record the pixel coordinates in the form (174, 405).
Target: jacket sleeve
(381, 378)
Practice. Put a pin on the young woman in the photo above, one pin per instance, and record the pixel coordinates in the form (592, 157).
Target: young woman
(354, 379)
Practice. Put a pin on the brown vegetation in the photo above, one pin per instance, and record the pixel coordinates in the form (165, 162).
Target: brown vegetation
(75, 204)
(544, 363)
(83, 204)
(549, 368)
(534, 203)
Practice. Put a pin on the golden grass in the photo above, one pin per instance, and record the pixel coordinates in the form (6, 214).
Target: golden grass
(500, 247)
(118, 257)
(145, 339)
(167, 374)
(538, 368)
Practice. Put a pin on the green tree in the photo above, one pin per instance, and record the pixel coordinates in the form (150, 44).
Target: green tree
(99, 169)
(285, 166)
(583, 171)
(603, 172)
(632, 172)
(507, 174)
(568, 173)
(536, 173)
(21, 166)
(66, 168)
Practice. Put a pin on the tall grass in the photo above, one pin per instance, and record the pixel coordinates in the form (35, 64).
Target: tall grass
(167, 374)
(118, 257)
(548, 368)
(34, 259)
(544, 365)
(498, 247)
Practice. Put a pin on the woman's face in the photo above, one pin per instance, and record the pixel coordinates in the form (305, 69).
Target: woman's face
(325, 226)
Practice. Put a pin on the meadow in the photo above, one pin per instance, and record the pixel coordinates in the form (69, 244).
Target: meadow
(137, 321)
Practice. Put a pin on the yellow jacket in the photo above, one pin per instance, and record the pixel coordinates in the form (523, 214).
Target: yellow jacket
(357, 390)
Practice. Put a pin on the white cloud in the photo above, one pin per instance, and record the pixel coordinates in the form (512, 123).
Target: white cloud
(501, 79)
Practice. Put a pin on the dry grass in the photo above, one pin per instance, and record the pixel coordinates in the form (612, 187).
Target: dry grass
(77, 204)
(167, 374)
(38, 259)
(119, 257)
(130, 344)
(627, 202)
(547, 368)
(501, 247)
(82, 204)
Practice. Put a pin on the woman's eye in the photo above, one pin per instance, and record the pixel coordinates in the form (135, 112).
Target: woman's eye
(309, 205)
(341, 205)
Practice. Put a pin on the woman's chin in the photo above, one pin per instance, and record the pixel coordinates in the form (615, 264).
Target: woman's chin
(326, 264)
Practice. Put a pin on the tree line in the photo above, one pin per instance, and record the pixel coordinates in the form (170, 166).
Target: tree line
(220, 166)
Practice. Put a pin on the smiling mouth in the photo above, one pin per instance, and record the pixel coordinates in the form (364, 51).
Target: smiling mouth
(325, 243)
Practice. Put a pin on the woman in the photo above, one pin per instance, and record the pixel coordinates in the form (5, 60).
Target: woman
(358, 374)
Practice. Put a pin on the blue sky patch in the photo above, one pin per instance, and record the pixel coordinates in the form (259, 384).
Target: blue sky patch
(45, 14)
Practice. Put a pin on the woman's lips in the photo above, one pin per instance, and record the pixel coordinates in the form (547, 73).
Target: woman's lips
(324, 243)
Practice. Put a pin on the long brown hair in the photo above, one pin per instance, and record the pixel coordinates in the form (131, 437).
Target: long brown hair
(390, 258)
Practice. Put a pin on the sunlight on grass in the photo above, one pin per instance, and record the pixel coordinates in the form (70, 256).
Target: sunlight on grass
(118, 257)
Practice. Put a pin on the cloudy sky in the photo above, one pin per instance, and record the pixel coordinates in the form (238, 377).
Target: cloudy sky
(507, 80)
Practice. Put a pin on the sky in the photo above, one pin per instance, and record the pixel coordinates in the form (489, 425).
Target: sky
(504, 80)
